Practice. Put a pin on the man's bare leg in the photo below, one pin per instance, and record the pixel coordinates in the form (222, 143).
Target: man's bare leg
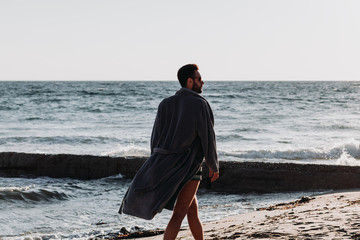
(194, 221)
(183, 202)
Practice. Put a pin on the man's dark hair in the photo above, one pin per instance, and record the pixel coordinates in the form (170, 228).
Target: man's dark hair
(185, 72)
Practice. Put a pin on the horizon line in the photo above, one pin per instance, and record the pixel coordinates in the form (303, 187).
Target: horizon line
(209, 80)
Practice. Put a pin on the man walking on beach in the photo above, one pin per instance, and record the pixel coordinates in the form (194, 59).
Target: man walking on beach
(182, 136)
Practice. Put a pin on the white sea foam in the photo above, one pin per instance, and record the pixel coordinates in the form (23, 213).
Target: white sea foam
(16, 189)
(337, 154)
(347, 159)
(130, 150)
(117, 176)
(345, 154)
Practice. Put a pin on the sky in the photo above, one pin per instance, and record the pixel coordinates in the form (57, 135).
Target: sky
(151, 40)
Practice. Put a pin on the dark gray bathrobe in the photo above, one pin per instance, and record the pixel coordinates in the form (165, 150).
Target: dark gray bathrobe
(182, 136)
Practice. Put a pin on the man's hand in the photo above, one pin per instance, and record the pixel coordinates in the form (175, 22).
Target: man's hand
(214, 175)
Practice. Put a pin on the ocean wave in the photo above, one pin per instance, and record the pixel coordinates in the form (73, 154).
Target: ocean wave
(24, 194)
(18, 189)
(232, 137)
(34, 118)
(99, 92)
(347, 159)
(339, 126)
(7, 108)
(344, 154)
(117, 176)
(250, 129)
(130, 150)
(57, 139)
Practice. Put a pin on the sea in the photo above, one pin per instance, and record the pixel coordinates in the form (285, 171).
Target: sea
(305, 122)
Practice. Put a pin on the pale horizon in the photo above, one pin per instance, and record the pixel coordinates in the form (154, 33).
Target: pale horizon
(257, 40)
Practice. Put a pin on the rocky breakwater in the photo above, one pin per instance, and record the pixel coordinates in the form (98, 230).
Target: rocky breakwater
(279, 177)
(67, 165)
(236, 177)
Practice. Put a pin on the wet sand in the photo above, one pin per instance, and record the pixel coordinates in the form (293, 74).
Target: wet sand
(330, 216)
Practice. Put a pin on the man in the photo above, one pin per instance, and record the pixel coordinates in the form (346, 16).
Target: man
(182, 136)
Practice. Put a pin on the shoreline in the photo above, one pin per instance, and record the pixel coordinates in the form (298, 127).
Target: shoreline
(333, 215)
(328, 216)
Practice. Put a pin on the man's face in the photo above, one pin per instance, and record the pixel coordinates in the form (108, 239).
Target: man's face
(198, 83)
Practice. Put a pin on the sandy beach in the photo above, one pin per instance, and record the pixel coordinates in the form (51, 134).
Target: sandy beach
(330, 216)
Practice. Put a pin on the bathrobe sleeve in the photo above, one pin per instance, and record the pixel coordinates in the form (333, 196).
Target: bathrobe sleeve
(205, 130)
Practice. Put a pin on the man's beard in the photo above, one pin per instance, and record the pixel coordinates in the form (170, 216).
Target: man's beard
(196, 88)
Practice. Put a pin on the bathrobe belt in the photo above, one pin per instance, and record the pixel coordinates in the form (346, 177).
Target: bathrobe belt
(163, 152)
(168, 152)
